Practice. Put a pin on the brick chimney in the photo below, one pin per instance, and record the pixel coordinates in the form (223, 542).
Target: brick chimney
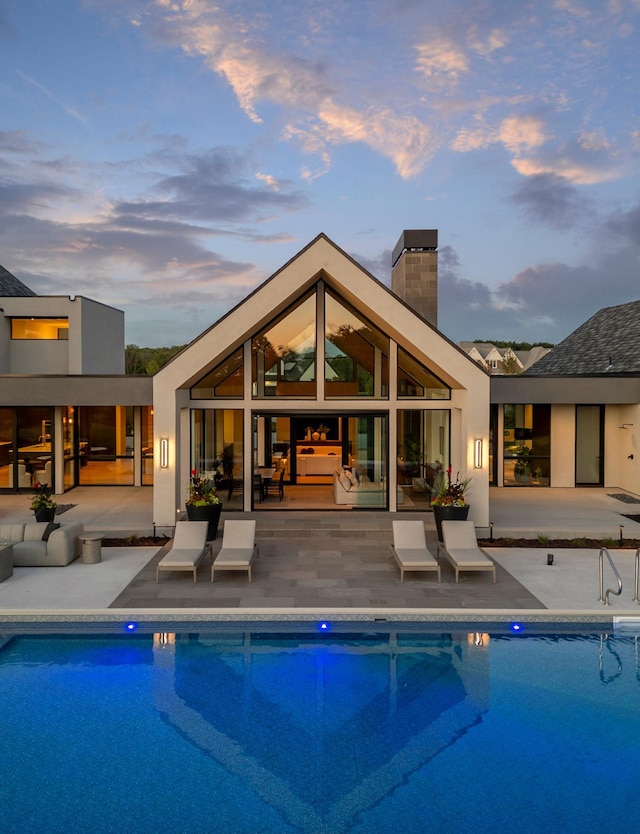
(414, 271)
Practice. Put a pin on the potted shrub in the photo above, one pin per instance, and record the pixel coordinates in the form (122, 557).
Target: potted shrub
(42, 503)
(450, 503)
(203, 503)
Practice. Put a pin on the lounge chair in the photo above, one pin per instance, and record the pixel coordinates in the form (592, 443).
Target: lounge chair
(460, 547)
(188, 549)
(239, 548)
(409, 548)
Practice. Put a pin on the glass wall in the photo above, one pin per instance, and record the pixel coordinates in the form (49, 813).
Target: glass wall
(367, 448)
(356, 354)
(217, 451)
(414, 380)
(225, 381)
(6, 448)
(423, 454)
(146, 423)
(527, 445)
(105, 435)
(283, 355)
(70, 456)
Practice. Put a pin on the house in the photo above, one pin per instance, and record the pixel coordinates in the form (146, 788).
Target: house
(498, 360)
(68, 413)
(573, 418)
(326, 378)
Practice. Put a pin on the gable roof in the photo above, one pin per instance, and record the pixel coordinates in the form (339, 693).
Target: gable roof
(606, 344)
(322, 259)
(12, 286)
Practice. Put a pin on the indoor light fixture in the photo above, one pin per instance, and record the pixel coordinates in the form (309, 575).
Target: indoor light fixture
(477, 453)
(164, 452)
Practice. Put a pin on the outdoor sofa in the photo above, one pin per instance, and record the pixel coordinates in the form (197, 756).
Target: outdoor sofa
(42, 544)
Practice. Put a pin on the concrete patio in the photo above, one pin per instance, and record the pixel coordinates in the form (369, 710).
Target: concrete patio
(335, 562)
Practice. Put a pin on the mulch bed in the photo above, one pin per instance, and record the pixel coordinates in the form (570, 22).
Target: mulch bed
(137, 541)
(595, 544)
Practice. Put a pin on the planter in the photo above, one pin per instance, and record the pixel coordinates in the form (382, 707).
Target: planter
(448, 514)
(46, 514)
(210, 513)
(523, 474)
(315, 435)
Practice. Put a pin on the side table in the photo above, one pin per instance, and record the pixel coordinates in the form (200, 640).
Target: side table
(91, 548)
(6, 561)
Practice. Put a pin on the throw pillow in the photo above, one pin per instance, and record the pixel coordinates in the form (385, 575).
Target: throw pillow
(51, 526)
(35, 532)
(345, 482)
(352, 478)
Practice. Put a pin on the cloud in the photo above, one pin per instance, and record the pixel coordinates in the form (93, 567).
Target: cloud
(551, 201)
(441, 59)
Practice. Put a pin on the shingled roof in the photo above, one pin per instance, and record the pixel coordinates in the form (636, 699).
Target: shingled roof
(607, 344)
(10, 285)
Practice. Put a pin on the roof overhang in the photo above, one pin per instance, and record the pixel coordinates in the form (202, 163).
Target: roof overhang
(34, 390)
(565, 389)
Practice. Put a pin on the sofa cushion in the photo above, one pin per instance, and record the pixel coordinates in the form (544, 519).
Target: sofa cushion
(11, 532)
(345, 483)
(35, 532)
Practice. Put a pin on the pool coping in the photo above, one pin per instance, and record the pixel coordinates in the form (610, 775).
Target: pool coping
(342, 619)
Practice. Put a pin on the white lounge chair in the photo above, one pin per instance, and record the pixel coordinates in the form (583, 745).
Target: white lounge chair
(188, 549)
(239, 548)
(460, 546)
(410, 550)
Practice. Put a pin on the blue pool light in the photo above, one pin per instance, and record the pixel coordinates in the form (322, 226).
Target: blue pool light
(516, 627)
(131, 626)
(323, 626)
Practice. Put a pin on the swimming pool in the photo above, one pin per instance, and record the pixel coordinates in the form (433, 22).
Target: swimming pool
(236, 731)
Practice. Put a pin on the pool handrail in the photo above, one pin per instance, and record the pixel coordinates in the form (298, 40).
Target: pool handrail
(604, 596)
(637, 578)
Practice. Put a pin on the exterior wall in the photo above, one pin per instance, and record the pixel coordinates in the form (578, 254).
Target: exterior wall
(99, 346)
(563, 445)
(621, 471)
(414, 279)
(95, 344)
(469, 383)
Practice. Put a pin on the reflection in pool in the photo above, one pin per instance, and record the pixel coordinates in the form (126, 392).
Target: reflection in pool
(247, 731)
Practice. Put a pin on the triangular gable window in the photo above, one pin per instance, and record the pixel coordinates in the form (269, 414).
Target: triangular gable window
(283, 355)
(356, 353)
(225, 381)
(415, 381)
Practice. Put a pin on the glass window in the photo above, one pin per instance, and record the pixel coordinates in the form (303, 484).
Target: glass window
(35, 438)
(225, 381)
(414, 380)
(6, 448)
(283, 355)
(69, 431)
(105, 433)
(217, 451)
(423, 454)
(367, 446)
(527, 432)
(356, 354)
(40, 328)
(146, 422)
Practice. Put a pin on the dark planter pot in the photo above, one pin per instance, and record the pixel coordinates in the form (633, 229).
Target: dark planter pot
(448, 514)
(48, 514)
(210, 513)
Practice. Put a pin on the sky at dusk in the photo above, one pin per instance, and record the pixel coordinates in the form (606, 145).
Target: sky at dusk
(166, 157)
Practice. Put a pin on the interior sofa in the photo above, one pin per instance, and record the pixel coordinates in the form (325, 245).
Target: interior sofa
(349, 489)
(43, 544)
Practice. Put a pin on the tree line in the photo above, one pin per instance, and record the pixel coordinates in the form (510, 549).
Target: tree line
(148, 361)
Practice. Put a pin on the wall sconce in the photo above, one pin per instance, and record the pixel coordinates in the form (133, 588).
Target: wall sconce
(164, 452)
(477, 453)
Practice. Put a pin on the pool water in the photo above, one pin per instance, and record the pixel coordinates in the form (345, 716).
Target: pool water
(253, 732)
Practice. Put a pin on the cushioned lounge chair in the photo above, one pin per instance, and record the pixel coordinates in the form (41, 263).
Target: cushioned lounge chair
(188, 549)
(238, 547)
(460, 547)
(410, 550)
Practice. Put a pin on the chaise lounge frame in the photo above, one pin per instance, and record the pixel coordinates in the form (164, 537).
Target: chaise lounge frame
(239, 549)
(460, 548)
(409, 548)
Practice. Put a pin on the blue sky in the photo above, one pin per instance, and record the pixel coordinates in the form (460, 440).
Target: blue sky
(167, 157)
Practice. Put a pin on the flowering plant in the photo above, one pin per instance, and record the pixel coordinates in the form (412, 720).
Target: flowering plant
(42, 499)
(202, 491)
(451, 493)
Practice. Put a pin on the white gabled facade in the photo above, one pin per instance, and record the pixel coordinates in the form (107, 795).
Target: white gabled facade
(321, 267)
